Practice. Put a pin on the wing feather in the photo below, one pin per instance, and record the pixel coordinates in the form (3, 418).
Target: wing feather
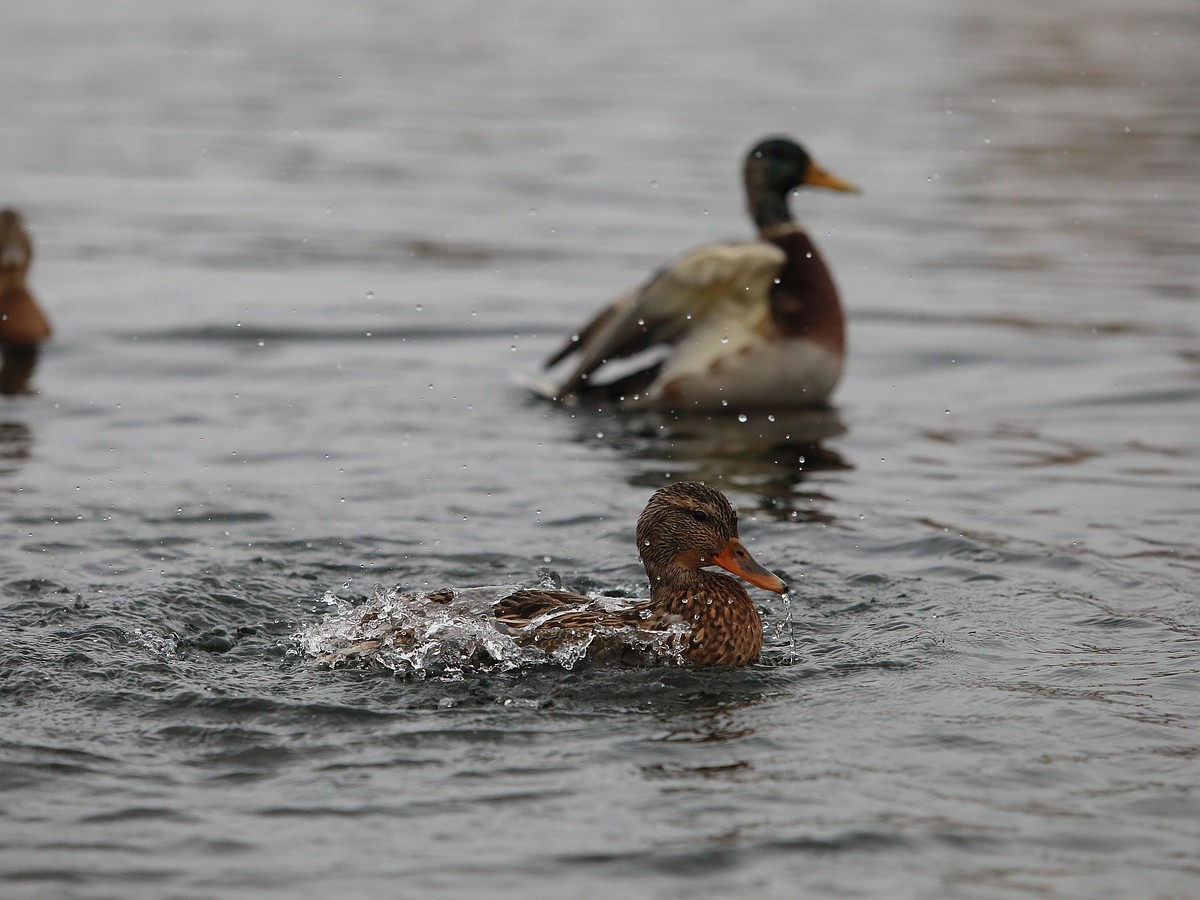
(519, 608)
(678, 299)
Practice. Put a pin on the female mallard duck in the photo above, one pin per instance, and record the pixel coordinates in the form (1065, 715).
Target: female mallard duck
(750, 325)
(685, 527)
(693, 615)
(23, 327)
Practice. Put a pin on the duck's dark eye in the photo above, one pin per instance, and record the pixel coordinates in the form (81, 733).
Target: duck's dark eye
(699, 515)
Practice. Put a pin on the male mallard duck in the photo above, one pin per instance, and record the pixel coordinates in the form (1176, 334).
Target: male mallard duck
(750, 325)
(693, 615)
(23, 327)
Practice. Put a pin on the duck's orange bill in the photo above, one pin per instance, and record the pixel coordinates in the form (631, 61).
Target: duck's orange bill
(736, 558)
(818, 177)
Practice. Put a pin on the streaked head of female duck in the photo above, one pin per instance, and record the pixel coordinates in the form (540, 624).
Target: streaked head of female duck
(687, 526)
(16, 250)
(774, 168)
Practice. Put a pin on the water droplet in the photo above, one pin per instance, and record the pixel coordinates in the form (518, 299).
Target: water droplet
(742, 417)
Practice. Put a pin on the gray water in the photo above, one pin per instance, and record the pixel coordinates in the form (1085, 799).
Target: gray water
(296, 253)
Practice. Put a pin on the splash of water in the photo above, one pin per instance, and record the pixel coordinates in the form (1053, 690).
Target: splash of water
(451, 634)
(789, 625)
(789, 622)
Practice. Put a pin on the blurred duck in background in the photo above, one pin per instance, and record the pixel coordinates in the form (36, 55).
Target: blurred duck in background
(23, 326)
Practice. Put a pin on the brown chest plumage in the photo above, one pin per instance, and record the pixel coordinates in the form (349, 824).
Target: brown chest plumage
(724, 625)
(804, 302)
(22, 328)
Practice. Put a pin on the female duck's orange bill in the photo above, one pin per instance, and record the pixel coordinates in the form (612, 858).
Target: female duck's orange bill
(736, 558)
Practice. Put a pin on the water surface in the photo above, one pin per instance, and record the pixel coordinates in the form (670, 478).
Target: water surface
(295, 254)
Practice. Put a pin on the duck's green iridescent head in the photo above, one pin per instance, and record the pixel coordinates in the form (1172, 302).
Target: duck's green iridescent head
(775, 167)
(781, 164)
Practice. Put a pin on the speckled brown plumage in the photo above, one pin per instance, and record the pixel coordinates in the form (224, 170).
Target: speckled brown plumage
(23, 327)
(684, 527)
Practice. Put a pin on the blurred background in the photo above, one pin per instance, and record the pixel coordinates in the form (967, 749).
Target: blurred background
(296, 256)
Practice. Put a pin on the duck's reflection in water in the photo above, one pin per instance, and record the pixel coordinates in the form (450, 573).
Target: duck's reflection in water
(769, 456)
(15, 442)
